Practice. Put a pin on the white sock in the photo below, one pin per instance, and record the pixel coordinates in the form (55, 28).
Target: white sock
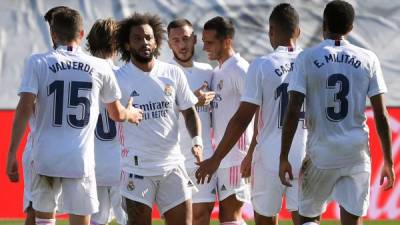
(310, 223)
(40, 221)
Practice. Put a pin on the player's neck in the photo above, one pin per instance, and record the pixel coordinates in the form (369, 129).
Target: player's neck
(71, 43)
(226, 55)
(333, 36)
(286, 43)
(145, 67)
(185, 64)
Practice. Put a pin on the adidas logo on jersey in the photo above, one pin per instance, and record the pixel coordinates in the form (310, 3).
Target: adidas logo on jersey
(223, 188)
(134, 93)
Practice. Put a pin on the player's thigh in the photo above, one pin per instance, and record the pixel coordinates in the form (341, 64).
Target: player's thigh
(116, 205)
(202, 193)
(266, 191)
(79, 196)
(103, 215)
(173, 189)
(230, 182)
(45, 192)
(316, 186)
(352, 192)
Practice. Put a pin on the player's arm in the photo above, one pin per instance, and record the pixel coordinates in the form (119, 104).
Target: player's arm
(290, 122)
(236, 126)
(23, 112)
(382, 126)
(193, 125)
(119, 113)
(245, 166)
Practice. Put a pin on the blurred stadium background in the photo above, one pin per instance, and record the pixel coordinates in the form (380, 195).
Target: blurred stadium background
(377, 27)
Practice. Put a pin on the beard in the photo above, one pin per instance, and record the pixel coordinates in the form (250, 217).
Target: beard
(141, 59)
(187, 59)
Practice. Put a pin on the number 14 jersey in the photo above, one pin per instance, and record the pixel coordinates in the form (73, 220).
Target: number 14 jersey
(336, 78)
(266, 86)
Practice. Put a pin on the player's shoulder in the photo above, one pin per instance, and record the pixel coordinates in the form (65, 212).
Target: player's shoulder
(202, 66)
(364, 54)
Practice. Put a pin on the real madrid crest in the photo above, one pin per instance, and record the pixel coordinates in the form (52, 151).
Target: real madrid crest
(168, 90)
(130, 186)
(220, 85)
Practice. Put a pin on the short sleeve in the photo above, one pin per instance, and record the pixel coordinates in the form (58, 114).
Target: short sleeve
(110, 91)
(185, 97)
(253, 85)
(377, 83)
(239, 77)
(30, 79)
(298, 78)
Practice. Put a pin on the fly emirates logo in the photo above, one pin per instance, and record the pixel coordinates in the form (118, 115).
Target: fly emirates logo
(154, 110)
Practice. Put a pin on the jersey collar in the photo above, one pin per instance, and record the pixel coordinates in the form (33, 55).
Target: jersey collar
(234, 58)
(287, 49)
(69, 49)
(340, 42)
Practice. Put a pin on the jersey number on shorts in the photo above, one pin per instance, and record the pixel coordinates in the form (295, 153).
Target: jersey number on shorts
(337, 114)
(74, 100)
(281, 91)
(110, 132)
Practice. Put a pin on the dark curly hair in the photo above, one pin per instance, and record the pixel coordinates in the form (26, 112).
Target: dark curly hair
(138, 19)
(101, 38)
(338, 17)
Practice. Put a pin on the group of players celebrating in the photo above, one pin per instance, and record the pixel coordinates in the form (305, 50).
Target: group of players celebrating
(89, 156)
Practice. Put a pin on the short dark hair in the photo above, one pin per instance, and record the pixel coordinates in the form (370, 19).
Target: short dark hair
(49, 14)
(223, 27)
(67, 24)
(101, 38)
(338, 17)
(137, 19)
(286, 18)
(178, 23)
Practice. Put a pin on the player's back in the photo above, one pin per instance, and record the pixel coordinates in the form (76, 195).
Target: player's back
(69, 83)
(339, 77)
(266, 85)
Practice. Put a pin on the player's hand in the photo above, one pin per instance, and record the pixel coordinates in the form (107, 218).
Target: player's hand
(388, 173)
(134, 115)
(285, 168)
(12, 168)
(245, 166)
(197, 151)
(204, 97)
(206, 170)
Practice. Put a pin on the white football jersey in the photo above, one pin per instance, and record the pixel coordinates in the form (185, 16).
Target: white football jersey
(68, 84)
(107, 149)
(196, 76)
(336, 78)
(266, 86)
(228, 83)
(152, 147)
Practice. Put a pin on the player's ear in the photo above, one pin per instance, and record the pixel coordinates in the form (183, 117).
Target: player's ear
(81, 34)
(297, 32)
(227, 43)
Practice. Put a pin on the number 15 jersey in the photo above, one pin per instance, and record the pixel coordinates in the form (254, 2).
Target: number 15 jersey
(336, 78)
(68, 85)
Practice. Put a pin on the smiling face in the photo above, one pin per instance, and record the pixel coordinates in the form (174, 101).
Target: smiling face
(181, 40)
(213, 46)
(142, 43)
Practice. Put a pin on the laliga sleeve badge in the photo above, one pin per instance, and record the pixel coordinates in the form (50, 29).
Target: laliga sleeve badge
(168, 90)
(130, 186)
(220, 85)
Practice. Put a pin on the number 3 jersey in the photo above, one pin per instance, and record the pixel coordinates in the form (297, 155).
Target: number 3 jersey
(336, 78)
(68, 84)
(151, 148)
(266, 86)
